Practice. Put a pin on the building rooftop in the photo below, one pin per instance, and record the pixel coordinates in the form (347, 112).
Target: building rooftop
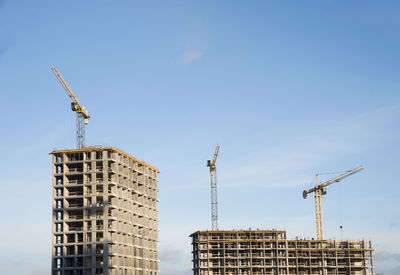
(100, 148)
(237, 231)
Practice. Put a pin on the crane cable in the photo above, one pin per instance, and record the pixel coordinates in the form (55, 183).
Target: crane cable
(340, 209)
(331, 173)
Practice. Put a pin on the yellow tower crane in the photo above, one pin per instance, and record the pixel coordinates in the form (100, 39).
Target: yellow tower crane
(320, 190)
(82, 116)
(214, 197)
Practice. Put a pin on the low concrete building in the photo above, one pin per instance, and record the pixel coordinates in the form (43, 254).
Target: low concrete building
(262, 252)
(105, 218)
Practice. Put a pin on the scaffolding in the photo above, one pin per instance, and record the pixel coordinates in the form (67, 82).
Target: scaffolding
(269, 252)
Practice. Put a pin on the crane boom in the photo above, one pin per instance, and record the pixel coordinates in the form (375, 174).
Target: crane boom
(82, 116)
(319, 190)
(215, 156)
(329, 182)
(76, 105)
(214, 197)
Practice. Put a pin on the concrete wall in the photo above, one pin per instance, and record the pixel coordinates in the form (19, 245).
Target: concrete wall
(105, 217)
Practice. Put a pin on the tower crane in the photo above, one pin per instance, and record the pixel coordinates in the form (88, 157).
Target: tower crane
(214, 198)
(82, 116)
(320, 190)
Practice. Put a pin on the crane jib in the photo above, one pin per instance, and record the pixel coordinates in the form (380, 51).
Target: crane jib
(320, 190)
(75, 104)
(82, 116)
(329, 182)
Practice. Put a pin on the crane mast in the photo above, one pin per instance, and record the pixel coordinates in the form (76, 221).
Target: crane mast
(82, 116)
(214, 197)
(320, 190)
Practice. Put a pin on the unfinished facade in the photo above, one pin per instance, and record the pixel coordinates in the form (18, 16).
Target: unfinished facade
(105, 218)
(269, 252)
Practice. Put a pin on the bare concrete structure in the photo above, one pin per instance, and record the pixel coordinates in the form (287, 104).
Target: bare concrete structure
(262, 252)
(105, 218)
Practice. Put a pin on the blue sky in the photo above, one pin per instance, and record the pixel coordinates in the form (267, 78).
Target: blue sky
(288, 88)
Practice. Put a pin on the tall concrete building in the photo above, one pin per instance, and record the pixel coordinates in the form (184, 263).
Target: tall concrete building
(105, 218)
(262, 252)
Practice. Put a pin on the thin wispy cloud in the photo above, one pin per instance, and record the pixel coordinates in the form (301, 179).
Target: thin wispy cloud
(393, 271)
(171, 255)
(190, 55)
(183, 271)
(173, 261)
(290, 166)
(387, 255)
(293, 163)
(391, 262)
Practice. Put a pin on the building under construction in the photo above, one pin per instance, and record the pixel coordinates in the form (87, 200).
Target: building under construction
(264, 252)
(104, 213)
